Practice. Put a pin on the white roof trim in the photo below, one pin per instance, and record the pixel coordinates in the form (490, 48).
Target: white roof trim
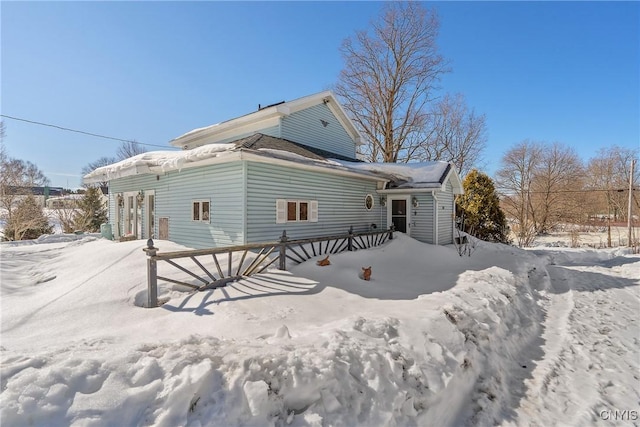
(236, 126)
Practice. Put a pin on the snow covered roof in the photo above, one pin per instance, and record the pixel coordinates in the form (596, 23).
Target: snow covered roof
(425, 175)
(258, 144)
(254, 121)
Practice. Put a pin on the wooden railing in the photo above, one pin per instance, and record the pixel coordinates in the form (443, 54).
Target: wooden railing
(211, 271)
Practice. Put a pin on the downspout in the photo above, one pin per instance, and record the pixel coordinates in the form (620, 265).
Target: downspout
(435, 218)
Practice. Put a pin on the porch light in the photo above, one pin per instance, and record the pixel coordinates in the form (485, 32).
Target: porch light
(140, 196)
(414, 202)
(383, 201)
(120, 200)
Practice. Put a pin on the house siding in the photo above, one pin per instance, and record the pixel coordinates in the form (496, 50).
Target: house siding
(129, 184)
(445, 216)
(174, 192)
(340, 202)
(422, 219)
(305, 127)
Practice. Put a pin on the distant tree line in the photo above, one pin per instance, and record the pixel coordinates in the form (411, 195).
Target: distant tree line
(544, 185)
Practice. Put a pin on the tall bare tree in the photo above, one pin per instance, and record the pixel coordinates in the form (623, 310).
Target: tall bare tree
(455, 134)
(515, 178)
(557, 177)
(389, 78)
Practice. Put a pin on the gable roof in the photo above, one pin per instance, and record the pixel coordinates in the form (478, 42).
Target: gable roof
(264, 117)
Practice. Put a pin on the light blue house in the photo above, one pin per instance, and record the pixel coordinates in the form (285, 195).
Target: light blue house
(290, 166)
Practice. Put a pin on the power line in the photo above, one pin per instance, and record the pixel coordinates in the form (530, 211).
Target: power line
(83, 132)
(586, 190)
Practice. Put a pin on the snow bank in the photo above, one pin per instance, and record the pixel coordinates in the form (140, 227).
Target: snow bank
(432, 339)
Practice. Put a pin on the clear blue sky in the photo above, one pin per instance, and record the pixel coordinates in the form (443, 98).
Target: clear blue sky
(150, 71)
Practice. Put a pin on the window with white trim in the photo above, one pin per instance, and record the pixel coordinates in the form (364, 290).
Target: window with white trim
(200, 210)
(296, 211)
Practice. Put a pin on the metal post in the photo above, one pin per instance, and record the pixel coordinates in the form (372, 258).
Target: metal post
(152, 275)
(629, 222)
(283, 251)
(391, 229)
(350, 244)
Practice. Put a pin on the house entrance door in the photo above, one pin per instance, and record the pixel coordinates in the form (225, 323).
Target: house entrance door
(399, 214)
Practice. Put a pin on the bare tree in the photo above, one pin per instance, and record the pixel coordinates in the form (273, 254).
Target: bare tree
(556, 176)
(515, 178)
(102, 161)
(456, 134)
(17, 177)
(608, 175)
(389, 77)
(125, 150)
(130, 149)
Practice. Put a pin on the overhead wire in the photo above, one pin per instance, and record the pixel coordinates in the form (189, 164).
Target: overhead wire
(84, 132)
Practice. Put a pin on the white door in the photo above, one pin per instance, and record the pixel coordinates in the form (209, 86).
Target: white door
(398, 213)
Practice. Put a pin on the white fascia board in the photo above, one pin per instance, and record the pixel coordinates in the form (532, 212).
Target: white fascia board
(226, 158)
(317, 167)
(239, 130)
(132, 171)
(267, 117)
(408, 190)
(456, 182)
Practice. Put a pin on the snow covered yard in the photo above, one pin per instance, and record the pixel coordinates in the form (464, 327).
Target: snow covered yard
(508, 337)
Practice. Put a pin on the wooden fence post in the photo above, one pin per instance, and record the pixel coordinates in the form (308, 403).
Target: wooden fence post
(283, 250)
(350, 241)
(152, 275)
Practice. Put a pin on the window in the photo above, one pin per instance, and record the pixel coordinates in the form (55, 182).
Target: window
(200, 210)
(368, 202)
(296, 211)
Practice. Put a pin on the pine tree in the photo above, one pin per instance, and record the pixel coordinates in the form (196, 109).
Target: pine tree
(92, 211)
(28, 221)
(479, 209)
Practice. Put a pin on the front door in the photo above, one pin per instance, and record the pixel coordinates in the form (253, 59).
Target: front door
(399, 214)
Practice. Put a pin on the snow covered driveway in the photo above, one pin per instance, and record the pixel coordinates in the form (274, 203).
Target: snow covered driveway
(590, 372)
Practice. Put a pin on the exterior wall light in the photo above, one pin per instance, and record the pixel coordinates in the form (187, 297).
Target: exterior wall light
(414, 202)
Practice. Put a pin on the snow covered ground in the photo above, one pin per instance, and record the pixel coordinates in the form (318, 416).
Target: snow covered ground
(543, 337)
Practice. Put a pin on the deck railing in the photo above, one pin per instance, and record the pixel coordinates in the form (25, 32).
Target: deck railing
(207, 266)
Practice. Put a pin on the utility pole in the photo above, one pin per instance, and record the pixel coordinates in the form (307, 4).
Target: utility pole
(629, 222)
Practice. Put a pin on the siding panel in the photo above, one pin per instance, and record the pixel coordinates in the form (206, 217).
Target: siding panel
(422, 223)
(340, 202)
(445, 216)
(306, 127)
(174, 192)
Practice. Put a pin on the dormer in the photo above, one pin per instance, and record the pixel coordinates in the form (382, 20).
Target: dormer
(317, 121)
